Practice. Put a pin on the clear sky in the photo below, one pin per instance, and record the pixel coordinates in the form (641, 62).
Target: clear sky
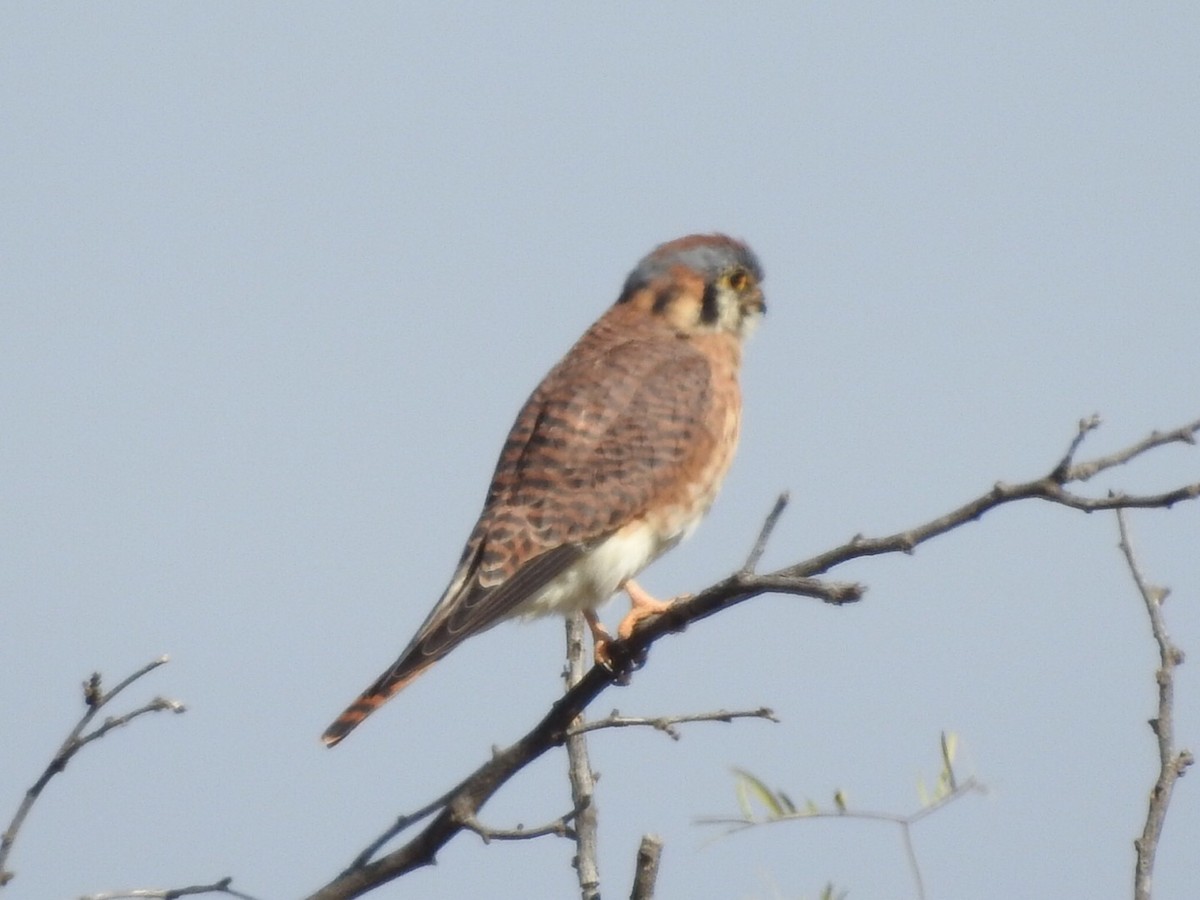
(276, 278)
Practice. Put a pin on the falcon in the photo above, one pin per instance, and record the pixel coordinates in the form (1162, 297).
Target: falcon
(612, 461)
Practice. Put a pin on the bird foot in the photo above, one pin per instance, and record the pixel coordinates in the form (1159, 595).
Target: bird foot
(642, 606)
(621, 669)
(601, 640)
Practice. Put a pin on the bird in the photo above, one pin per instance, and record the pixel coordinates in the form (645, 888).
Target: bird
(613, 460)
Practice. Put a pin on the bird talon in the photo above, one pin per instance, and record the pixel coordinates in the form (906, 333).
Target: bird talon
(604, 655)
(601, 641)
(620, 667)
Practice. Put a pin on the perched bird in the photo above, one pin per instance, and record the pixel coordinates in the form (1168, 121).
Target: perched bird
(614, 459)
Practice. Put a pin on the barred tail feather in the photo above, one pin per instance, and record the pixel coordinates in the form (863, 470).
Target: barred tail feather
(390, 683)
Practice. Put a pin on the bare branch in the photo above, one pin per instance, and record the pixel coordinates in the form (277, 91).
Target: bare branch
(1086, 426)
(462, 802)
(666, 724)
(94, 699)
(560, 827)
(764, 535)
(217, 887)
(583, 779)
(1050, 488)
(158, 704)
(646, 872)
(402, 824)
(1171, 763)
(1184, 435)
(92, 687)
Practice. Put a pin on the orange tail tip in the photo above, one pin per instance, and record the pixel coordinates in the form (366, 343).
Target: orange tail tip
(350, 719)
(387, 686)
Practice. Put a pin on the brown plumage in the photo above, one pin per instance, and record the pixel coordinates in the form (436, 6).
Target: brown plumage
(614, 458)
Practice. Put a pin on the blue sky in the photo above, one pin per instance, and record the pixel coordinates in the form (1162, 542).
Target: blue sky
(277, 277)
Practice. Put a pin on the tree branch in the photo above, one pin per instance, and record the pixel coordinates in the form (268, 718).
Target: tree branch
(560, 827)
(764, 535)
(461, 803)
(583, 779)
(666, 724)
(217, 887)
(95, 699)
(1183, 435)
(1171, 764)
(646, 872)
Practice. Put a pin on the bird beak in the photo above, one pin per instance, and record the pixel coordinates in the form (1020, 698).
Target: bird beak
(754, 305)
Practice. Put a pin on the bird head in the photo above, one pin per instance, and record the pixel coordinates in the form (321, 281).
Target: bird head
(699, 284)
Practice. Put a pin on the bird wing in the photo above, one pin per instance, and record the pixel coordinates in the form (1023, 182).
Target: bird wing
(608, 430)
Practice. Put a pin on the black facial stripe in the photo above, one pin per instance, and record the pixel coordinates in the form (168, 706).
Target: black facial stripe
(710, 310)
(665, 297)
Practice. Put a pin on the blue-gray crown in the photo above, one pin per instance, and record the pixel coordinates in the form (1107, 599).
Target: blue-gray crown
(709, 255)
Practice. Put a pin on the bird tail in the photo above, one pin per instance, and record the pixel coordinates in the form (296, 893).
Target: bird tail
(399, 676)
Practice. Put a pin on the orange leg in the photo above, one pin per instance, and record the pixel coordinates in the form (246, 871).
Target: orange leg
(642, 606)
(600, 638)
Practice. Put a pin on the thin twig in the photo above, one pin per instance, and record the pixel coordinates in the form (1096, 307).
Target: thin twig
(666, 724)
(94, 699)
(1061, 472)
(1049, 487)
(914, 864)
(402, 824)
(217, 887)
(645, 873)
(158, 704)
(1183, 435)
(560, 827)
(764, 534)
(579, 769)
(1171, 763)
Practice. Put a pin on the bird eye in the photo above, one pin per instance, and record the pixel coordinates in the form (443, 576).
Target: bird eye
(739, 280)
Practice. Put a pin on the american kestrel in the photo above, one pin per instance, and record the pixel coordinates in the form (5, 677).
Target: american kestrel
(613, 460)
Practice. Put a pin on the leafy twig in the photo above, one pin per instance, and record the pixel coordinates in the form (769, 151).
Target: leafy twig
(777, 807)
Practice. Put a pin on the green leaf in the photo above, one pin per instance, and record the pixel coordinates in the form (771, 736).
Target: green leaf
(750, 786)
(949, 749)
(785, 801)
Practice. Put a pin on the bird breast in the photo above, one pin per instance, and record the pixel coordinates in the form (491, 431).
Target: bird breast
(600, 572)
